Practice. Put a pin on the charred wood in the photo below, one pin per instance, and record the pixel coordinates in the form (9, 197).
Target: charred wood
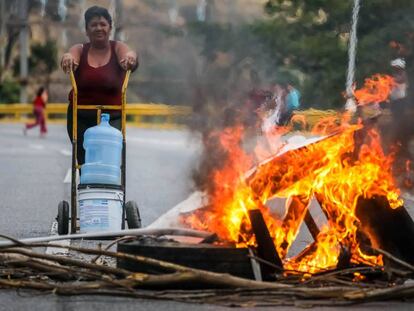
(297, 207)
(296, 213)
(265, 246)
(344, 258)
(389, 229)
(312, 226)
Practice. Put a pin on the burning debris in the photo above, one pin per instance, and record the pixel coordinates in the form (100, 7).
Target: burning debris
(23, 267)
(377, 89)
(340, 171)
(363, 251)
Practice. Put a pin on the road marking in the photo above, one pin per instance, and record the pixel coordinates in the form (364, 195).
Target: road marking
(37, 146)
(50, 250)
(68, 177)
(158, 142)
(54, 229)
(65, 152)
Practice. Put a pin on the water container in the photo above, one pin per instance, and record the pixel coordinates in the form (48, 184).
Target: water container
(103, 146)
(100, 208)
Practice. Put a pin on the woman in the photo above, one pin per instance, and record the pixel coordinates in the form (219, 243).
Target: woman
(39, 105)
(99, 67)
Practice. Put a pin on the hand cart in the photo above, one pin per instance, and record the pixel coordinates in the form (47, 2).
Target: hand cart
(130, 209)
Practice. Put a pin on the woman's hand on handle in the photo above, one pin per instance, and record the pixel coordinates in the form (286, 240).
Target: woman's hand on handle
(68, 63)
(130, 61)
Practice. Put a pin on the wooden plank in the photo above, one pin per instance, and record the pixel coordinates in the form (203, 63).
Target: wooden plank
(389, 229)
(265, 247)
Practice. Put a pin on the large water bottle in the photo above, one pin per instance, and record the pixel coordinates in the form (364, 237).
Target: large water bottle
(103, 146)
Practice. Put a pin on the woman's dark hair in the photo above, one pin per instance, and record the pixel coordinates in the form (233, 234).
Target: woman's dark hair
(40, 90)
(97, 11)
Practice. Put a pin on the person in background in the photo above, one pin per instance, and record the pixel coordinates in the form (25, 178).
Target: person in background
(399, 92)
(255, 106)
(276, 103)
(99, 67)
(401, 117)
(39, 106)
(292, 102)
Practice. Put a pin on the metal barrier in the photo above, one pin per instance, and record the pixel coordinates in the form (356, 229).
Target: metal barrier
(152, 115)
(142, 115)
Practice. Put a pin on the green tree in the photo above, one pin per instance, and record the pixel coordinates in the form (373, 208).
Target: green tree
(307, 42)
(312, 37)
(9, 91)
(42, 61)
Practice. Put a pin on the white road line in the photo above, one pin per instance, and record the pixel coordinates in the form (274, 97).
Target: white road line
(57, 250)
(54, 229)
(68, 177)
(65, 152)
(37, 146)
(157, 142)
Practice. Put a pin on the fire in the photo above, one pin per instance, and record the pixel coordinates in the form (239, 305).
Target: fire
(376, 90)
(336, 171)
(229, 195)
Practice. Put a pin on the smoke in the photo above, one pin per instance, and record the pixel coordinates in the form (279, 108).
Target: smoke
(228, 94)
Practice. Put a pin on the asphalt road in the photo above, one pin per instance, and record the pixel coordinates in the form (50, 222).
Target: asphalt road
(34, 179)
(33, 172)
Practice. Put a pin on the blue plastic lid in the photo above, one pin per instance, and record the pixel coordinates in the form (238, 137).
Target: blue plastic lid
(105, 117)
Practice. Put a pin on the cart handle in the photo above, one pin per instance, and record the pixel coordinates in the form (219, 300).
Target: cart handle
(97, 107)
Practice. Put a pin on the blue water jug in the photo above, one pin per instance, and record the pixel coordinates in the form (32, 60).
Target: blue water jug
(103, 146)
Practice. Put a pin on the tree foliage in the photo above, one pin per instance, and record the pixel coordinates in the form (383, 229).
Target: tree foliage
(43, 57)
(42, 60)
(313, 36)
(9, 91)
(307, 42)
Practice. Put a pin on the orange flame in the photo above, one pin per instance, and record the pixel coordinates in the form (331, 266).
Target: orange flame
(337, 171)
(376, 89)
(334, 170)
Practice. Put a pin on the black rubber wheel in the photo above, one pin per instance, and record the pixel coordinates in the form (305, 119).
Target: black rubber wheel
(63, 218)
(132, 215)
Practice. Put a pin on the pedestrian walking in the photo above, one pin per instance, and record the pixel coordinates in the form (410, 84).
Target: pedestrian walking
(99, 68)
(39, 106)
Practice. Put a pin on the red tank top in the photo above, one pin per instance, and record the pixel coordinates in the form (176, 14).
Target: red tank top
(101, 85)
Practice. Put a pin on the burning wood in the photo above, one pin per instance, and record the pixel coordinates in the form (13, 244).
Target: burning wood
(265, 247)
(339, 170)
(297, 211)
(389, 229)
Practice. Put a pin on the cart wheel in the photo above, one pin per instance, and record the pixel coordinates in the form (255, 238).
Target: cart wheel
(132, 215)
(63, 218)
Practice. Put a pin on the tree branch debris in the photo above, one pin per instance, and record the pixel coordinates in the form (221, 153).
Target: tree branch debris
(23, 266)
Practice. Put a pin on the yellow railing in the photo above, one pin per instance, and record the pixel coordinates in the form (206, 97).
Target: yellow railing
(143, 115)
(151, 115)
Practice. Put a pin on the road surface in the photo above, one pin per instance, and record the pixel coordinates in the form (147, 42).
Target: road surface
(34, 178)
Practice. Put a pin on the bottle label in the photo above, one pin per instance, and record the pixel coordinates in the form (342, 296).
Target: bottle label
(94, 215)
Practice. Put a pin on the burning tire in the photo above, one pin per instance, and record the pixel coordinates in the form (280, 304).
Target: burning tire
(222, 259)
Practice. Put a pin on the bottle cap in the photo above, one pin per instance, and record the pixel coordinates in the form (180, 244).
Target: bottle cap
(105, 117)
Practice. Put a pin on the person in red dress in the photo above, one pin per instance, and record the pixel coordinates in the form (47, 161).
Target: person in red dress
(39, 105)
(99, 67)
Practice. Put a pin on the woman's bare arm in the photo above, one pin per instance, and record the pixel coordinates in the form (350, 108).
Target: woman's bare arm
(70, 60)
(127, 58)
